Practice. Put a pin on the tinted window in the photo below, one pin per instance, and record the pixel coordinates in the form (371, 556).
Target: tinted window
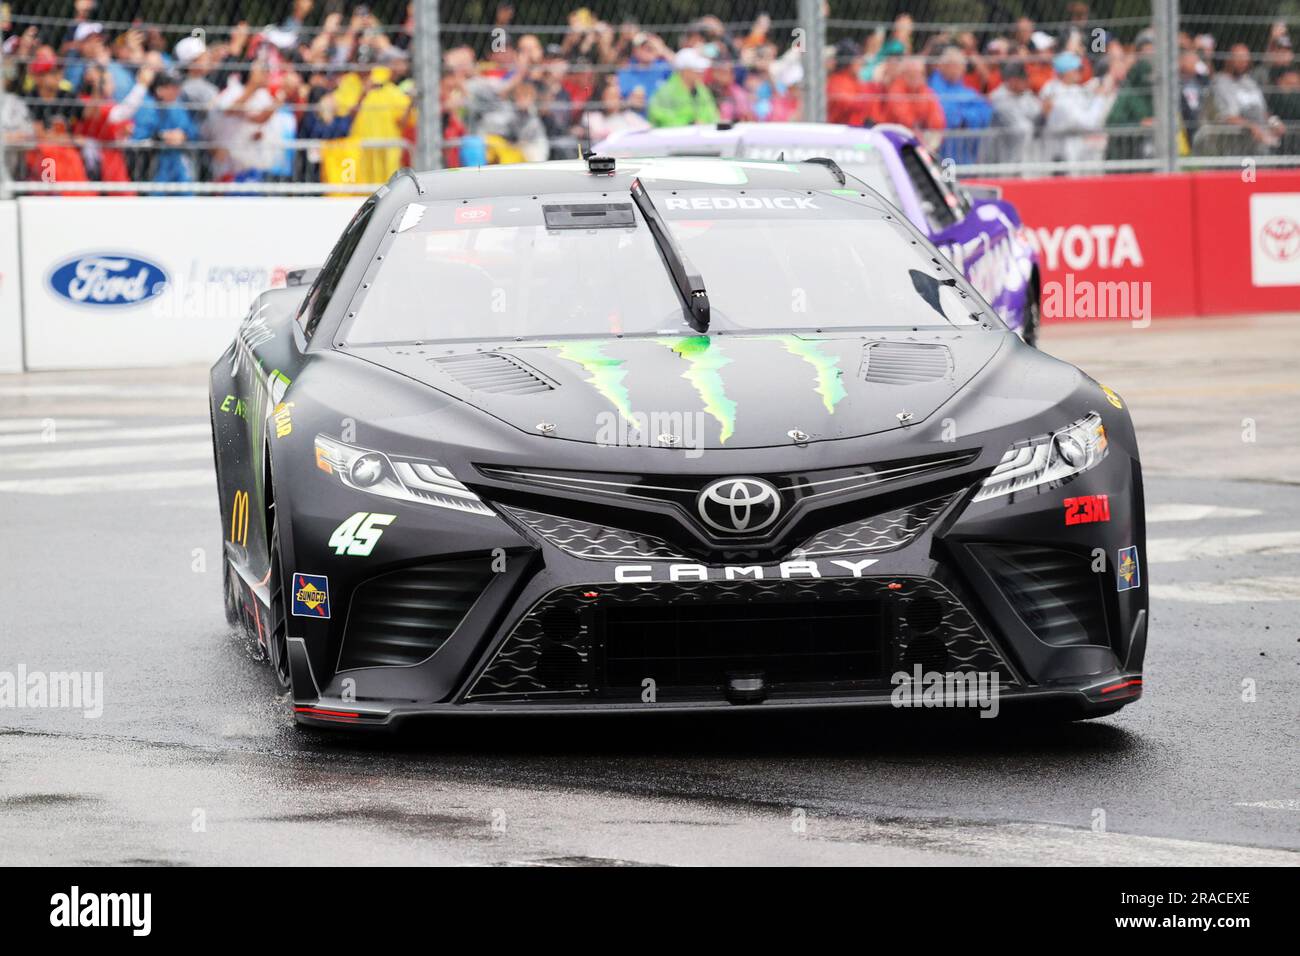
(938, 204)
(322, 290)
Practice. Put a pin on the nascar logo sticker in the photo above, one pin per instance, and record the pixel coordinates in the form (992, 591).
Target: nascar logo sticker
(108, 280)
(311, 595)
(1128, 574)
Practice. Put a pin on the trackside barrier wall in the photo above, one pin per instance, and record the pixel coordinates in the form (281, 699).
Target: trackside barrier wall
(1209, 243)
(117, 282)
(11, 293)
(120, 282)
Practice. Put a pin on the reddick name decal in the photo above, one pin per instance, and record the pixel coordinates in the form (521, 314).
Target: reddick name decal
(649, 573)
(739, 202)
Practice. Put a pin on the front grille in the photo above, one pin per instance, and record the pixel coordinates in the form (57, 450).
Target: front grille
(493, 372)
(808, 637)
(1056, 593)
(882, 532)
(402, 617)
(582, 539)
(568, 493)
(905, 363)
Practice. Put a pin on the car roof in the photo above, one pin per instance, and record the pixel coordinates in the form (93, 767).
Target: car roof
(573, 176)
(630, 142)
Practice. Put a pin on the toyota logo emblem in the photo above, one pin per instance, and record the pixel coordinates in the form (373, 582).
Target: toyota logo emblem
(739, 505)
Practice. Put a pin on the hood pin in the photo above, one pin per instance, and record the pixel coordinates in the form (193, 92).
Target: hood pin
(904, 417)
(671, 441)
(797, 436)
(546, 428)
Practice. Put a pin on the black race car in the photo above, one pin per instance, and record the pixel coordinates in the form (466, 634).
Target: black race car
(677, 434)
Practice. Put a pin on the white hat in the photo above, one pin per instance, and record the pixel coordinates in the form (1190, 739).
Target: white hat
(1042, 41)
(189, 49)
(786, 72)
(85, 30)
(690, 59)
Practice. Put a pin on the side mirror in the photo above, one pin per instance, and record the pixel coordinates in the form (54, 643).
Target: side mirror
(306, 276)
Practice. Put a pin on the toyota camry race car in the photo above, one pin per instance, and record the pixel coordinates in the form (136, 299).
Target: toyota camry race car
(667, 434)
(972, 225)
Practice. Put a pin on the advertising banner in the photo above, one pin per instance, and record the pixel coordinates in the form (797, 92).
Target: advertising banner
(1205, 243)
(113, 282)
(11, 299)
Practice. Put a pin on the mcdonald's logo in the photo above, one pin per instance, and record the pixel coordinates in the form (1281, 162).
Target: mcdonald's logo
(239, 519)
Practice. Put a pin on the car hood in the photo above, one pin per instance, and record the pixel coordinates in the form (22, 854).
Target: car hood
(721, 391)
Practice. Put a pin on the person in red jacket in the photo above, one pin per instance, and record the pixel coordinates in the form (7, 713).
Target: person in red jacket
(910, 101)
(104, 123)
(847, 99)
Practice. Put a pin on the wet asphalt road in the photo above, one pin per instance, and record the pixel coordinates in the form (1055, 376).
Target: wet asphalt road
(195, 760)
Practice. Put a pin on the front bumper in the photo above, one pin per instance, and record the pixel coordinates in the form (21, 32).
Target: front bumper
(553, 632)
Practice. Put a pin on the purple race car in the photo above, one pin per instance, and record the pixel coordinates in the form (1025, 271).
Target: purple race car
(979, 231)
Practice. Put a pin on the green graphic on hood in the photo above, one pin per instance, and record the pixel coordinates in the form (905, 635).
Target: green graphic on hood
(706, 361)
(604, 374)
(829, 384)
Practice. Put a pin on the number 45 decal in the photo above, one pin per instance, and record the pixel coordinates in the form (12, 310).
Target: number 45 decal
(359, 534)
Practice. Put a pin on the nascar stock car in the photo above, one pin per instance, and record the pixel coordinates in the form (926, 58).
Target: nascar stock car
(972, 225)
(665, 434)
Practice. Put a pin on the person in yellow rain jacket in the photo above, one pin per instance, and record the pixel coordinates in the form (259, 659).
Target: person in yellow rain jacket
(382, 109)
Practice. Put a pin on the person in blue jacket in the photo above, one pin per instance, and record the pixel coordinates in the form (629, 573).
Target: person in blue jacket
(963, 108)
(165, 121)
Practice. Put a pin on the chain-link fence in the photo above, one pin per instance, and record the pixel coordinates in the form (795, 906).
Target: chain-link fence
(115, 96)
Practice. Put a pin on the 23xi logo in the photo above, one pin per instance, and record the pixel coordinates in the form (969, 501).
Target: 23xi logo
(1087, 509)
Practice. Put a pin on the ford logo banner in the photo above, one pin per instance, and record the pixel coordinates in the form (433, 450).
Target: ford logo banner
(108, 279)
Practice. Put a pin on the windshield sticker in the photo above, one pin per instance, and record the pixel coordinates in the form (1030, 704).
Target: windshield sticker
(604, 374)
(473, 215)
(698, 203)
(829, 377)
(705, 361)
(411, 216)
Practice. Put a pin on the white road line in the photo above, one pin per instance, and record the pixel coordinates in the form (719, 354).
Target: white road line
(70, 458)
(1235, 591)
(1182, 512)
(108, 434)
(115, 391)
(84, 484)
(8, 425)
(1166, 550)
(1272, 805)
(1060, 845)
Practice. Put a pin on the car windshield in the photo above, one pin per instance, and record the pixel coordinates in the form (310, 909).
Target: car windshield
(581, 264)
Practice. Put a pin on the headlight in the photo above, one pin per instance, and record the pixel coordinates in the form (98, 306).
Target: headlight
(1049, 459)
(391, 476)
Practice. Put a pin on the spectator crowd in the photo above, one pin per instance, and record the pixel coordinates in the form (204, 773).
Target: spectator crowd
(328, 96)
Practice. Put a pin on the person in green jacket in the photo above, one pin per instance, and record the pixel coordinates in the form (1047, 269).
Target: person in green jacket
(684, 98)
(1130, 117)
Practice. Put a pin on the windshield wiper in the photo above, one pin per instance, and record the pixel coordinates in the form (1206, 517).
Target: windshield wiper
(688, 281)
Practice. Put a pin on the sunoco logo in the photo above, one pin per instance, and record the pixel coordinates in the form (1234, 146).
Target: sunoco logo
(108, 279)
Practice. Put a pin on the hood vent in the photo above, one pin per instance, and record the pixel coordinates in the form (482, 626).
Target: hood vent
(905, 363)
(493, 372)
